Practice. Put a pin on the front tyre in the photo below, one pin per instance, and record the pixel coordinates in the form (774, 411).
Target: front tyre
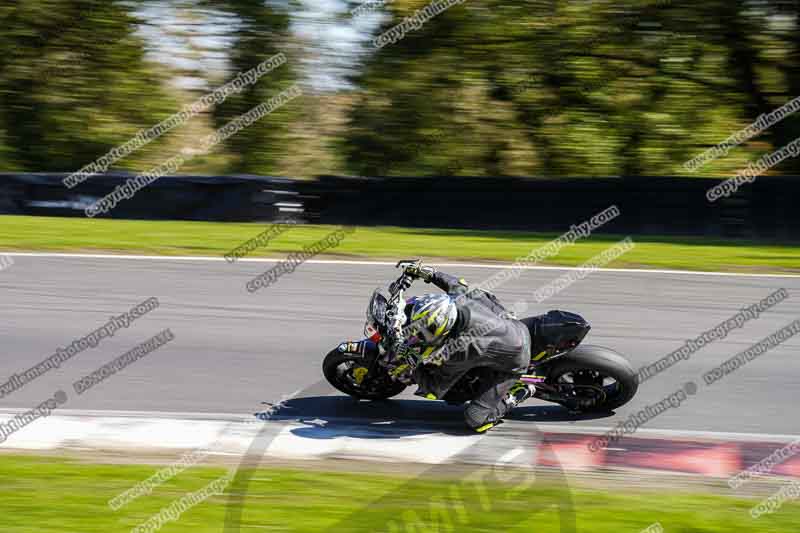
(349, 374)
(593, 378)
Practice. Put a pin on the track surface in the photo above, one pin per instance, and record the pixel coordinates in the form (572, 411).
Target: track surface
(234, 350)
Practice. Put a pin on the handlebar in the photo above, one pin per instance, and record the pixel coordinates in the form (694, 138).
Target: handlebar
(404, 263)
(396, 289)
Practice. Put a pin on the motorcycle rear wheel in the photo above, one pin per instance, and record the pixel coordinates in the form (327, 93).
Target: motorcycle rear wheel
(598, 379)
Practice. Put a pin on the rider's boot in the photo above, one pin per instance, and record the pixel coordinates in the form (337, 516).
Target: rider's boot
(520, 392)
(484, 413)
(486, 427)
(517, 394)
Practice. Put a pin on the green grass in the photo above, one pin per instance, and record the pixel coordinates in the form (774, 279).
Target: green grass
(21, 233)
(45, 495)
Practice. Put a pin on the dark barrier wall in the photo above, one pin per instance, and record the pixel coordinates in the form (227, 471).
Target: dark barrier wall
(662, 206)
(229, 198)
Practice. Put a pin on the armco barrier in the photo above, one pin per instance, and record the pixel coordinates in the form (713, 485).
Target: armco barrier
(224, 198)
(765, 210)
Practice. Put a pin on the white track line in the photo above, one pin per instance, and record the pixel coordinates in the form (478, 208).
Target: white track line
(547, 427)
(288, 438)
(393, 263)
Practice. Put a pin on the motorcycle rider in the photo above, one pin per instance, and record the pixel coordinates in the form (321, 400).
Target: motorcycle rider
(447, 335)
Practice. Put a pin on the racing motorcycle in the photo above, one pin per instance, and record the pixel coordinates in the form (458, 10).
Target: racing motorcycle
(582, 378)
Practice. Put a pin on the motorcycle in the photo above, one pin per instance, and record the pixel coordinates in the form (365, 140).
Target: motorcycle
(582, 378)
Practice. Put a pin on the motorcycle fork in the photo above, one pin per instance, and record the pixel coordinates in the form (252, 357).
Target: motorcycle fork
(370, 353)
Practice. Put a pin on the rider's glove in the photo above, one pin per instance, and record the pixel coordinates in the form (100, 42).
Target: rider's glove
(418, 271)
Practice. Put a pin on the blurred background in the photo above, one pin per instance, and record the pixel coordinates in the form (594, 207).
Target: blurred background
(550, 88)
(484, 99)
(477, 138)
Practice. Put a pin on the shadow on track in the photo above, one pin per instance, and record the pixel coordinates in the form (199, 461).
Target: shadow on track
(328, 417)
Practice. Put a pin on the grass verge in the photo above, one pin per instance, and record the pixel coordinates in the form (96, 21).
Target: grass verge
(22, 233)
(46, 495)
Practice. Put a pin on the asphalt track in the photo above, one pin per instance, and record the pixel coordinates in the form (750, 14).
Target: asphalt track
(234, 350)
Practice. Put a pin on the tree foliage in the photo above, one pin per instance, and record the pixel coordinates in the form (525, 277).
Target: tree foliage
(486, 88)
(74, 83)
(563, 88)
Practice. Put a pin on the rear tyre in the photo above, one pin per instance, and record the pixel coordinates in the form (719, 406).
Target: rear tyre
(594, 379)
(347, 373)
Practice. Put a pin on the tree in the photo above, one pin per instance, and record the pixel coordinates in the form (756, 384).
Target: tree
(74, 83)
(260, 34)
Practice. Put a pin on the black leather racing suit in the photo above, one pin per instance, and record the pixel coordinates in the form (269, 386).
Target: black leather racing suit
(485, 335)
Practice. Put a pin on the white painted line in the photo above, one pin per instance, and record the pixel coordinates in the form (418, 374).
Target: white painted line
(131, 432)
(288, 439)
(193, 415)
(144, 434)
(368, 424)
(393, 263)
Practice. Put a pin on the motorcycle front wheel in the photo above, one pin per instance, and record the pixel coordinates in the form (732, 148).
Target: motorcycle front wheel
(349, 373)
